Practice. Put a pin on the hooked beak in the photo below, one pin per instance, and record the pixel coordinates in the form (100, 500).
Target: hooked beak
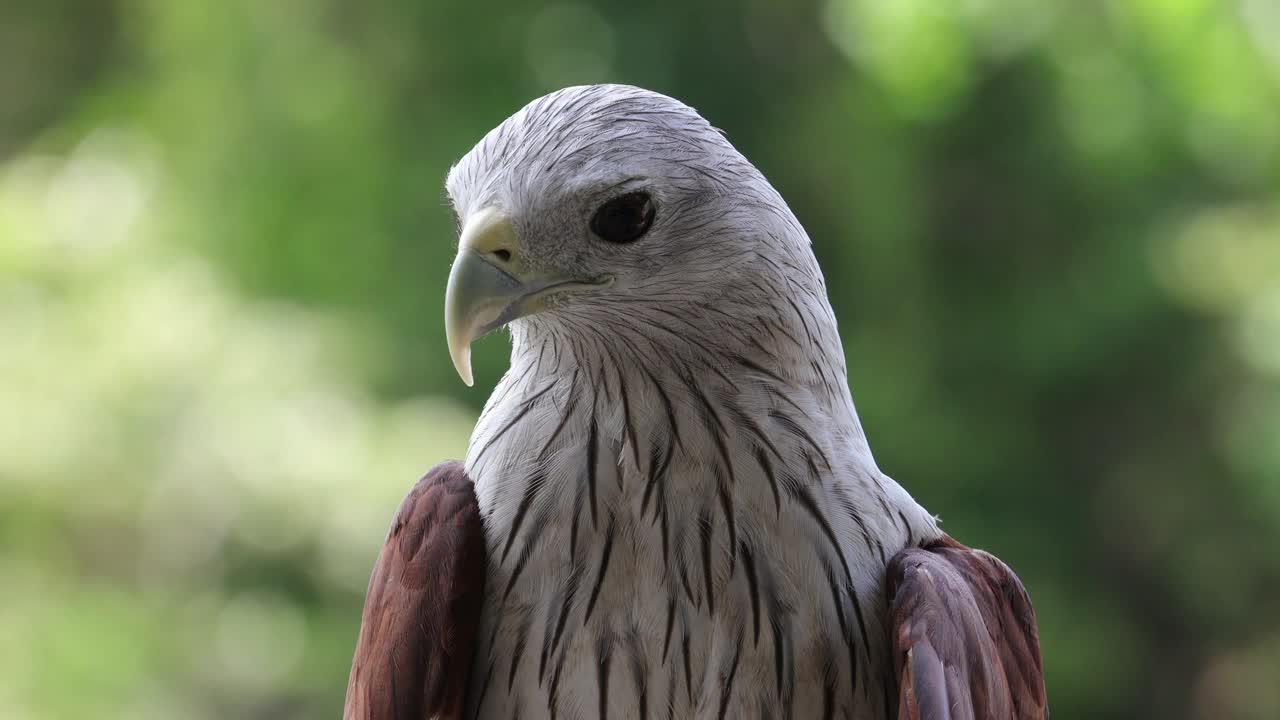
(490, 285)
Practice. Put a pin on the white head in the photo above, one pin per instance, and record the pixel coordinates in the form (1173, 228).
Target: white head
(600, 211)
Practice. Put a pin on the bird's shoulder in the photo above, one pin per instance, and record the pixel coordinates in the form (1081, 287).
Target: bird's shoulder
(422, 608)
(964, 636)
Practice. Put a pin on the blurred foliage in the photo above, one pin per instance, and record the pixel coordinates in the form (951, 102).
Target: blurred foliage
(1051, 232)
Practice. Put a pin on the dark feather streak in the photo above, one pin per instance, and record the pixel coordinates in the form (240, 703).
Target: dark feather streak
(605, 554)
(749, 564)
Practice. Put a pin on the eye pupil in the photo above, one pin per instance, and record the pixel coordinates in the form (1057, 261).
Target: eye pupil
(624, 219)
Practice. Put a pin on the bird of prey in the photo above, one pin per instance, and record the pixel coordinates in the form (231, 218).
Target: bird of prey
(668, 508)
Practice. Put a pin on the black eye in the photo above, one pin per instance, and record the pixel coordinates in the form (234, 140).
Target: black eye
(624, 219)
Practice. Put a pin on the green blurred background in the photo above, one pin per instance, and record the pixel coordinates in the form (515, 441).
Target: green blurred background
(1051, 233)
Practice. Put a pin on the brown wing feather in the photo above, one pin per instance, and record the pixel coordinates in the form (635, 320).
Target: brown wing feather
(965, 644)
(422, 609)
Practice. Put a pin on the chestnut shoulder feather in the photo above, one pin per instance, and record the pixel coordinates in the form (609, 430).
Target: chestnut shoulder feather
(965, 643)
(422, 609)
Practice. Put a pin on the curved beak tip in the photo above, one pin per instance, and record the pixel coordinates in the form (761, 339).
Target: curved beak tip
(462, 363)
(460, 321)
